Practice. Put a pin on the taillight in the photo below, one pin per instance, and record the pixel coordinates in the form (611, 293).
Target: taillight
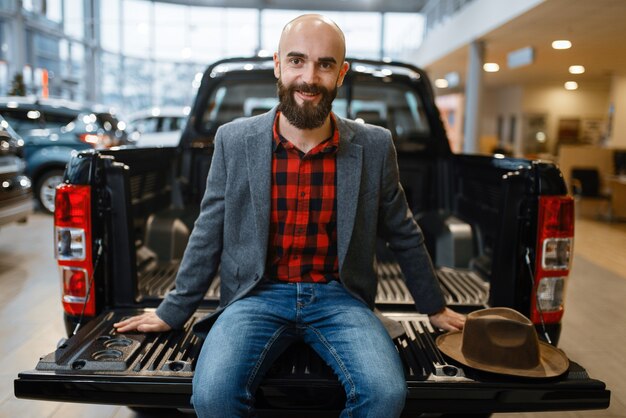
(98, 140)
(555, 240)
(72, 235)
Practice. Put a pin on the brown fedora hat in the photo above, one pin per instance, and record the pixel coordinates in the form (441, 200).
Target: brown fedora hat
(502, 340)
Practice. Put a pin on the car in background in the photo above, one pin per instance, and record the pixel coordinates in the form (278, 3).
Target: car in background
(158, 126)
(16, 199)
(52, 129)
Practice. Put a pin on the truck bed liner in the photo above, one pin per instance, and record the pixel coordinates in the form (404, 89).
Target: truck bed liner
(460, 287)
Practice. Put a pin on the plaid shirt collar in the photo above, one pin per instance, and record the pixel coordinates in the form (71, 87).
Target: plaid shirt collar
(329, 145)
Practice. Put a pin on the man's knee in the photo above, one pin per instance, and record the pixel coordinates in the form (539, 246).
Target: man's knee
(212, 398)
(393, 391)
(384, 396)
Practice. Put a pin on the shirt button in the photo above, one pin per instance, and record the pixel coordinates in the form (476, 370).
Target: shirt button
(302, 194)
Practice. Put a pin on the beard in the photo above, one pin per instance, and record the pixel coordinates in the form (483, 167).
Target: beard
(307, 115)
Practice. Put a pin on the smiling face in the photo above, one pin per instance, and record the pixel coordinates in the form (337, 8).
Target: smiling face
(310, 67)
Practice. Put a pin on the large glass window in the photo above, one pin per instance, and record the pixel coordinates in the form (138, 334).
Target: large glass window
(173, 84)
(54, 10)
(8, 5)
(170, 32)
(111, 80)
(151, 52)
(403, 34)
(137, 27)
(217, 33)
(138, 83)
(4, 41)
(74, 19)
(362, 30)
(110, 25)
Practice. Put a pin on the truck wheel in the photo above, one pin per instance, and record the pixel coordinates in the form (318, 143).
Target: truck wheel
(45, 189)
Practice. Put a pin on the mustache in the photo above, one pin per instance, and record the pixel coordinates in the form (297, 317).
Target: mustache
(308, 88)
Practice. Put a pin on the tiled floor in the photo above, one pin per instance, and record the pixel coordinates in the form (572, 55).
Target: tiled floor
(30, 316)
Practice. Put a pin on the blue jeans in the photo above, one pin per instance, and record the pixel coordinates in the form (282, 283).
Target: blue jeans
(252, 332)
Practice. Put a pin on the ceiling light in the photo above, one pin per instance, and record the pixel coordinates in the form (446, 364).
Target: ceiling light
(491, 67)
(561, 44)
(571, 85)
(441, 83)
(576, 69)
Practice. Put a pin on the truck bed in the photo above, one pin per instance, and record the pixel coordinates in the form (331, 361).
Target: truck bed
(461, 288)
(100, 366)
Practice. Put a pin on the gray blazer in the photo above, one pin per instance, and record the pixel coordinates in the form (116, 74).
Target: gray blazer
(232, 229)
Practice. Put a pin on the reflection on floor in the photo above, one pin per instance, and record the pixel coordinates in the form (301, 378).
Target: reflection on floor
(594, 330)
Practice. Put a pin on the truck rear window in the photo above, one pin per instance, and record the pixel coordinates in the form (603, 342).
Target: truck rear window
(395, 107)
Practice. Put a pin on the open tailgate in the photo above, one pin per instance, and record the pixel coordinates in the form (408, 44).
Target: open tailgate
(155, 370)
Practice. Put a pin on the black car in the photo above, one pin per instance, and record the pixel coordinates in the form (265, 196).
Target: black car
(52, 130)
(15, 188)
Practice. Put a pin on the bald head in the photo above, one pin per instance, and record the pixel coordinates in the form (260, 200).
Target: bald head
(320, 27)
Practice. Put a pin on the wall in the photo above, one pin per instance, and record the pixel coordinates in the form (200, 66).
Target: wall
(590, 101)
(505, 102)
(618, 100)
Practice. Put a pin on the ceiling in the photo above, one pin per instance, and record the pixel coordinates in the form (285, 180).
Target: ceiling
(597, 30)
(399, 6)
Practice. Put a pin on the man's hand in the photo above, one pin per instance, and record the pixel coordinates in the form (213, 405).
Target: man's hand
(447, 320)
(147, 322)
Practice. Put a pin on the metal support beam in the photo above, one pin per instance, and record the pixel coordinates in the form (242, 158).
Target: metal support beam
(473, 93)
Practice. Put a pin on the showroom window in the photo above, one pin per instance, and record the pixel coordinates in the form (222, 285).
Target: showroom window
(362, 30)
(149, 53)
(137, 83)
(110, 25)
(403, 34)
(8, 5)
(74, 19)
(111, 79)
(137, 28)
(216, 33)
(54, 10)
(170, 19)
(5, 79)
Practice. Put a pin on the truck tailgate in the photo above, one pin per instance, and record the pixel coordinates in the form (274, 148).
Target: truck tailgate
(155, 370)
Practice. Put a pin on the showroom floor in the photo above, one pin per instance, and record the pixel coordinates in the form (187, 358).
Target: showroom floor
(31, 318)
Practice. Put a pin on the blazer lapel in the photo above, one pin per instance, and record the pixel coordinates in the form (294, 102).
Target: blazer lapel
(349, 165)
(259, 163)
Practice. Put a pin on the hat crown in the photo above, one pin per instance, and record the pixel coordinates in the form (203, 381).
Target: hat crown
(501, 337)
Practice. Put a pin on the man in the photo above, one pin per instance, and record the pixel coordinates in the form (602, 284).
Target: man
(295, 199)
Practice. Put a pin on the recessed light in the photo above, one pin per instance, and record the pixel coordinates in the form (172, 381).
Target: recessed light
(571, 85)
(576, 69)
(561, 44)
(441, 83)
(491, 67)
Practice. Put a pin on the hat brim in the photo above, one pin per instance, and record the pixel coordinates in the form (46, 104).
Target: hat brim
(553, 362)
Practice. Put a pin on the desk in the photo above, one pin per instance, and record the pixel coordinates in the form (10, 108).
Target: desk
(617, 185)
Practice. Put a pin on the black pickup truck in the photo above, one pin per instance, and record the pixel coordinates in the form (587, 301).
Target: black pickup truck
(500, 232)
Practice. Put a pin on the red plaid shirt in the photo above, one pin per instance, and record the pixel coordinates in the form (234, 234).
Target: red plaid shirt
(303, 223)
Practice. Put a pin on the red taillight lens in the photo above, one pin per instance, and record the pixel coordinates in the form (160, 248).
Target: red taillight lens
(97, 140)
(72, 225)
(71, 203)
(555, 239)
(75, 284)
